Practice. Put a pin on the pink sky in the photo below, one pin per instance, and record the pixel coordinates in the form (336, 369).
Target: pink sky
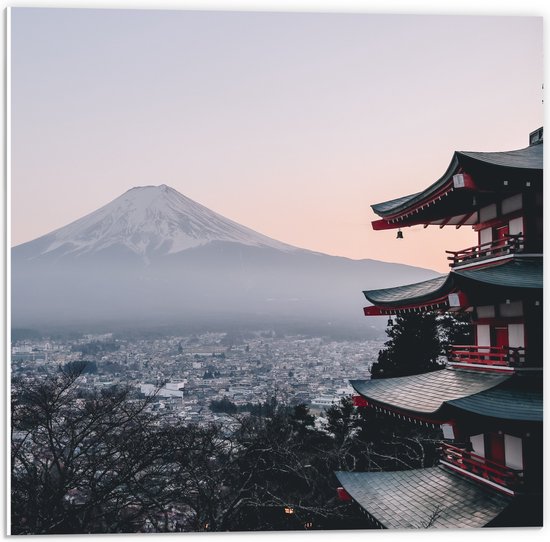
(291, 124)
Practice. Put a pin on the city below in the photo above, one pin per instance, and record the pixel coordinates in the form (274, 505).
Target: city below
(203, 378)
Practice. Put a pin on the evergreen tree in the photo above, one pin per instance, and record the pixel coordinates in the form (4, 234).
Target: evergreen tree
(454, 329)
(413, 347)
(417, 342)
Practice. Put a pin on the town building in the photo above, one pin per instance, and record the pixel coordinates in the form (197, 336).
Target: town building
(488, 398)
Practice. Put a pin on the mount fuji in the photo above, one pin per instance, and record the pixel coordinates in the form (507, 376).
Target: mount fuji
(148, 222)
(154, 256)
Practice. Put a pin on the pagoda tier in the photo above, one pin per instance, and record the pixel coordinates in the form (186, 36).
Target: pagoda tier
(498, 436)
(508, 403)
(448, 397)
(427, 295)
(423, 498)
(473, 181)
(425, 394)
(490, 429)
(504, 300)
(517, 276)
(488, 399)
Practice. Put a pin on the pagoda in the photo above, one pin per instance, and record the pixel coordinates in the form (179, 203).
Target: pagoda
(487, 399)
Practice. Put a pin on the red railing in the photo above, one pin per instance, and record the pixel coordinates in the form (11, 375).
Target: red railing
(503, 356)
(484, 468)
(499, 247)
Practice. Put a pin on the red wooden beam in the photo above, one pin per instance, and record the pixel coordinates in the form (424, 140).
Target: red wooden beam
(381, 310)
(372, 311)
(465, 219)
(464, 180)
(359, 401)
(406, 415)
(343, 495)
(459, 181)
(499, 220)
(383, 224)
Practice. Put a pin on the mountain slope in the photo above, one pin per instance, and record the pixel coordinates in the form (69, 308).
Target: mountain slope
(153, 255)
(145, 221)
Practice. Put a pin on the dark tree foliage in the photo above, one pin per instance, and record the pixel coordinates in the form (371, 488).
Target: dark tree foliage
(262, 409)
(100, 463)
(289, 465)
(79, 463)
(418, 343)
(368, 441)
(223, 405)
(80, 367)
(454, 329)
(413, 347)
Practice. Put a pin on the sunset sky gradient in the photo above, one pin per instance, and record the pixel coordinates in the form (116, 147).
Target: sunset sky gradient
(291, 124)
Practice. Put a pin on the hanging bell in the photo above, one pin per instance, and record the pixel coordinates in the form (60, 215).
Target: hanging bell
(399, 234)
(390, 322)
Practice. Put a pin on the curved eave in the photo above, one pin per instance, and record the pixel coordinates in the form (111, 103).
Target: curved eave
(426, 393)
(399, 205)
(517, 276)
(527, 160)
(421, 498)
(411, 294)
(442, 203)
(503, 403)
(524, 273)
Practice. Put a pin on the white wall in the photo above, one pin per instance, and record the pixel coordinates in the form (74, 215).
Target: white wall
(448, 431)
(485, 236)
(483, 335)
(487, 213)
(516, 226)
(485, 311)
(511, 204)
(478, 444)
(513, 452)
(516, 335)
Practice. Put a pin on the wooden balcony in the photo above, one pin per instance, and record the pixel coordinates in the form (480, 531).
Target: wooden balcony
(498, 356)
(482, 469)
(499, 247)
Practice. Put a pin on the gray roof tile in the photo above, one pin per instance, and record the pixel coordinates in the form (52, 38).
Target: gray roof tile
(528, 158)
(417, 292)
(519, 272)
(504, 403)
(385, 495)
(516, 273)
(426, 393)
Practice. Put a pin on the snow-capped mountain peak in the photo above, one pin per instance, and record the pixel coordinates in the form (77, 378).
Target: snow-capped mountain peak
(149, 220)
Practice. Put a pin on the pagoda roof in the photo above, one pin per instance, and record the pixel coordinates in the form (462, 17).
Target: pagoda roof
(445, 202)
(421, 498)
(416, 293)
(518, 272)
(426, 393)
(504, 403)
(529, 158)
